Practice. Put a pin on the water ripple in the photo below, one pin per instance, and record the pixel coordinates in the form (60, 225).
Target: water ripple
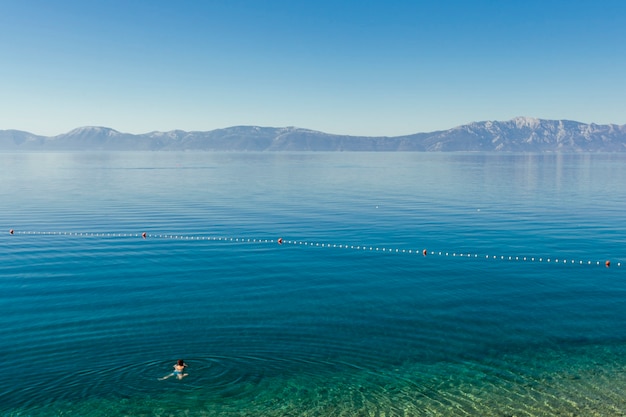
(94, 315)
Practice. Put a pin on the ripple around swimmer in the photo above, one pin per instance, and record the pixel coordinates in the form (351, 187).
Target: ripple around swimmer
(586, 380)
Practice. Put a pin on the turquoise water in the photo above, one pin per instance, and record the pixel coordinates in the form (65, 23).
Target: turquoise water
(511, 312)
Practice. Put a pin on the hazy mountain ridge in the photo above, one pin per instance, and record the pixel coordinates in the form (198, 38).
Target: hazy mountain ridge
(521, 134)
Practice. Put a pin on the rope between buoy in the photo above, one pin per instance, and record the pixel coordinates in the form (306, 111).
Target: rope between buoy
(282, 241)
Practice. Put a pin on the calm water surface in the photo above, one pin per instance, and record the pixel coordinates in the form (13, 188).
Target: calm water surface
(512, 311)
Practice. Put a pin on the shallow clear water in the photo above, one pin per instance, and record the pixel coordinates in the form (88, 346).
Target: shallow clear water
(512, 311)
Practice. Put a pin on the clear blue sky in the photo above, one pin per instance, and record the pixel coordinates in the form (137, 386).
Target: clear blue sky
(349, 67)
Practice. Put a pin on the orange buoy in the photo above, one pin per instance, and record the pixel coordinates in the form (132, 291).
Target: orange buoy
(280, 240)
(607, 263)
(424, 252)
(11, 231)
(143, 235)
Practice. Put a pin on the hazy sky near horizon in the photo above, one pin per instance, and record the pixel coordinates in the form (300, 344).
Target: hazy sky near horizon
(353, 67)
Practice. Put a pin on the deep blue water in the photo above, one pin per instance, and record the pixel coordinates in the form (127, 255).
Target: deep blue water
(511, 312)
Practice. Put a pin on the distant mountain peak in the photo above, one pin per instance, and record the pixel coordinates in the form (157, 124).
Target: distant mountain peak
(92, 130)
(530, 122)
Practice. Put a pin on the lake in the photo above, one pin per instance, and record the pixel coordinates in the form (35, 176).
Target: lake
(313, 284)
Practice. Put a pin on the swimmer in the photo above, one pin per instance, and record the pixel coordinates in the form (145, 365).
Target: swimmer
(179, 369)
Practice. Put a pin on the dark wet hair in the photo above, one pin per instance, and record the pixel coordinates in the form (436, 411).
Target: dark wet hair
(181, 362)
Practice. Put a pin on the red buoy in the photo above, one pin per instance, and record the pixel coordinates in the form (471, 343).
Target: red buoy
(280, 240)
(11, 231)
(143, 235)
(607, 263)
(424, 252)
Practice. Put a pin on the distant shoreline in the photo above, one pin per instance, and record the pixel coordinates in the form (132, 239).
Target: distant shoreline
(517, 135)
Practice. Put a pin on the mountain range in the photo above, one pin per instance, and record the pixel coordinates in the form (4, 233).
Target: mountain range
(522, 134)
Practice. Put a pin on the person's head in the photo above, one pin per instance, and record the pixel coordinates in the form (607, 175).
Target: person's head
(181, 362)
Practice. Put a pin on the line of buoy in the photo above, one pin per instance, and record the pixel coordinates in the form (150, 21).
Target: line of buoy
(281, 241)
